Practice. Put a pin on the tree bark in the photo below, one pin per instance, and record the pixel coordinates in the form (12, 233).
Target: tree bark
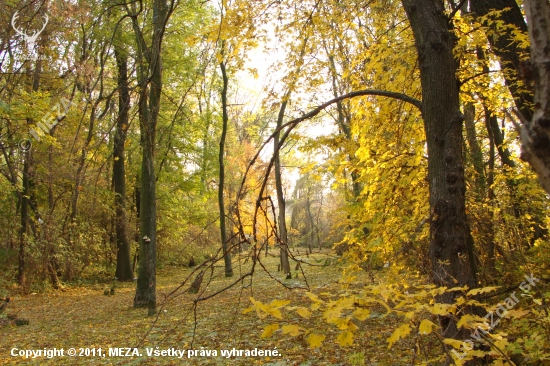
(24, 218)
(535, 134)
(475, 150)
(490, 231)
(150, 74)
(25, 196)
(449, 231)
(225, 119)
(124, 270)
(283, 235)
(311, 225)
(506, 50)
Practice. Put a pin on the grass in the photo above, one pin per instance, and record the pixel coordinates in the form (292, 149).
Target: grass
(84, 317)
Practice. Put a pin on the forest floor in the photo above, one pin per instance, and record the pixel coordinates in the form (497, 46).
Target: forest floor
(85, 319)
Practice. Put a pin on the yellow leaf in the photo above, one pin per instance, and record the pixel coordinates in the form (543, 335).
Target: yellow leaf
(279, 303)
(501, 343)
(304, 313)
(275, 312)
(400, 332)
(248, 310)
(346, 302)
(340, 323)
(291, 329)
(481, 290)
(332, 314)
(426, 326)
(352, 327)
(268, 331)
(314, 297)
(315, 340)
(467, 319)
(443, 309)
(453, 342)
(464, 288)
(438, 291)
(345, 338)
(361, 314)
(517, 313)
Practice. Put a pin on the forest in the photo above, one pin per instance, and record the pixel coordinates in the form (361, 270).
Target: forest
(271, 182)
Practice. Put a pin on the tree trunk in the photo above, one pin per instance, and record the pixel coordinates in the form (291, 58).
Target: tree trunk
(449, 231)
(26, 194)
(147, 210)
(283, 236)
(475, 150)
(24, 218)
(535, 134)
(123, 263)
(311, 224)
(150, 74)
(505, 49)
(490, 233)
(225, 119)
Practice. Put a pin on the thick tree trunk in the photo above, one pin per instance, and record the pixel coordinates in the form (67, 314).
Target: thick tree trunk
(225, 119)
(123, 263)
(449, 231)
(535, 134)
(283, 235)
(150, 73)
(145, 190)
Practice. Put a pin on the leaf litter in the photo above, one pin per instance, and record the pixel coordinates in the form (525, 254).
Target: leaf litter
(84, 317)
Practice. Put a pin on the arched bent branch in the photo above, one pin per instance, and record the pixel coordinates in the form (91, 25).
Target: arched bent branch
(381, 93)
(292, 124)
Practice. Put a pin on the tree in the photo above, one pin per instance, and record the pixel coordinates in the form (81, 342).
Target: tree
(509, 13)
(535, 133)
(149, 62)
(281, 205)
(221, 203)
(124, 270)
(283, 235)
(451, 254)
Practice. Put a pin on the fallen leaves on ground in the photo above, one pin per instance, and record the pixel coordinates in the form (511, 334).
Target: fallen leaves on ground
(84, 317)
